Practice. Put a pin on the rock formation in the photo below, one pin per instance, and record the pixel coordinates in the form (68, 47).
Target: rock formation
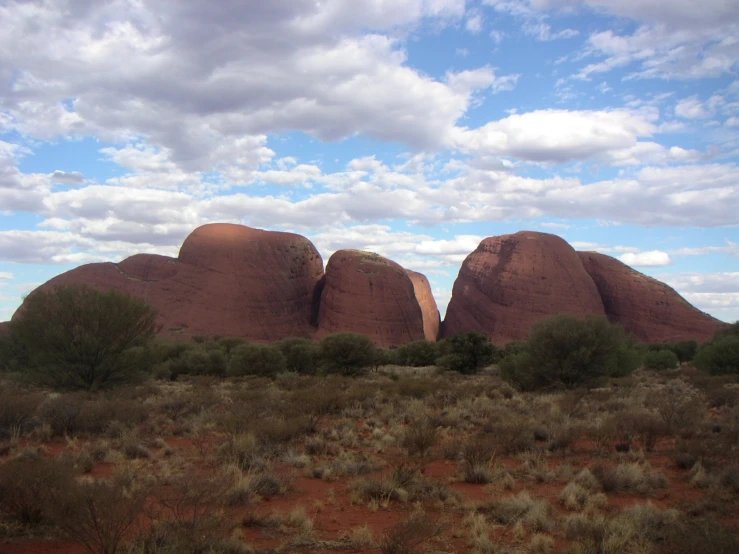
(425, 298)
(228, 280)
(647, 308)
(233, 280)
(511, 282)
(368, 294)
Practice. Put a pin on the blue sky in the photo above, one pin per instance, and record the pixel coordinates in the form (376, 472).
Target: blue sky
(413, 128)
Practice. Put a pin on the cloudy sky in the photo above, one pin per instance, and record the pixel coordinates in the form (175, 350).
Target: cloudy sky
(412, 128)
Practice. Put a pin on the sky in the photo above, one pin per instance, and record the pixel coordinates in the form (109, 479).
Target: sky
(411, 128)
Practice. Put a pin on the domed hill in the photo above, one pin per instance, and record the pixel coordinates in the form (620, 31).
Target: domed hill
(511, 282)
(228, 280)
(647, 308)
(368, 294)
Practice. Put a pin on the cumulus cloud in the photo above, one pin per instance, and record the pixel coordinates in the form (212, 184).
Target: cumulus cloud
(68, 177)
(5, 275)
(653, 258)
(559, 135)
(691, 108)
(199, 80)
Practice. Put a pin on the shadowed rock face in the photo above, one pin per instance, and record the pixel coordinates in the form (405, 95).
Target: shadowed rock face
(228, 280)
(647, 308)
(368, 294)
(425, 298)
(511, 282)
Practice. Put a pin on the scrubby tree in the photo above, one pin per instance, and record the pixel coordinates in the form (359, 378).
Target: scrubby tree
(420, 353)
(347, 353)
(466, 353)
(661, 359)
(720, 356)
(301, 355)
(256, 359)
(77, 337)
(565, 352)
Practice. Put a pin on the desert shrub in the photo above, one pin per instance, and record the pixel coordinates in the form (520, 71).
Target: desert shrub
(81, 338)
(301, 355)
(678, 404)
(99, 514)
(419, 438)
(347, 353)
(477, 457)
(639, 528)
(420, 353)
(661, 359)
(256, 359)
(27, 486)
(415, 387)
(692, 536)
(629, 477)
(720, 356)
(406, 536)
(466, 353)
(198, 361)
(17, 408)
(532, 512)
(565, 352)
(187, 512)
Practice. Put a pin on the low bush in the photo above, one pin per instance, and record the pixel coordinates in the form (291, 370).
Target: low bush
(347, 353)
(406, 536)
(565, 352)
(466, 353)
(301, 355)
(720, 356)
(661, 359)
(28, 487)
(256, 359)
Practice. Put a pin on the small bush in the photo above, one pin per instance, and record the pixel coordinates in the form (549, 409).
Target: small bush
(661, 359)
(420, 353)
(347, 353)
(565, 352)
(466, 353)
(406, 536)
(720, 356)
(301, 355)
(28, 485)
(256, 359)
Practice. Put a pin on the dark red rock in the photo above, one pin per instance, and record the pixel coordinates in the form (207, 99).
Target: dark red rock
(228, 280)
(371, 295)
(646, 307)
(511, 282)
(425, 298)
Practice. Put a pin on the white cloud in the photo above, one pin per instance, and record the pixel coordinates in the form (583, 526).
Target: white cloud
(543, 31)
(692, 108)
(6, 275)
(558, 135)
(653, 258)
(68, 177)
(719, 282)
(474, 22)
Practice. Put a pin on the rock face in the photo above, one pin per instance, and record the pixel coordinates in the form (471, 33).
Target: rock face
(425, 298)
(511, 282)
(368, 294)
(647, 308)
(228, 280)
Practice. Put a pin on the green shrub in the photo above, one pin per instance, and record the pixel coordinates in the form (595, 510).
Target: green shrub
(347, 353)
(301, 355)
(661, 359)
(81, 338)
(466, 353)
(256, 359)
(720, 356)
(420, 353)
(566, 352)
